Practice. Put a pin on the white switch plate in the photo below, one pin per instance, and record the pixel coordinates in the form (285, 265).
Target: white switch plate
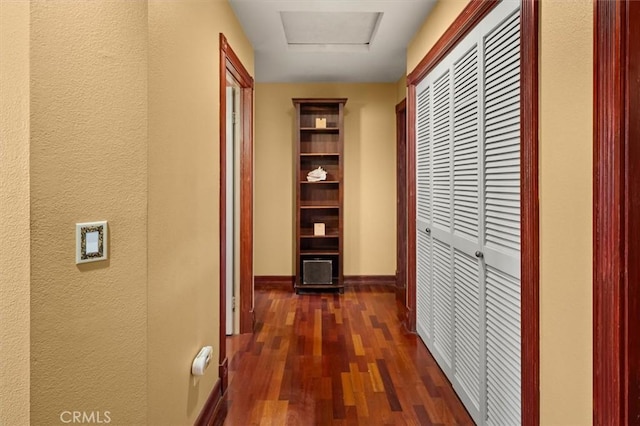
(91, 241)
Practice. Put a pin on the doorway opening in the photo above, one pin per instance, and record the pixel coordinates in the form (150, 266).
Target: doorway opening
(232, 209)
(236, 200)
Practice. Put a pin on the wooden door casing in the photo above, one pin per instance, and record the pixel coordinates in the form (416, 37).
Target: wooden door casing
(616, 213)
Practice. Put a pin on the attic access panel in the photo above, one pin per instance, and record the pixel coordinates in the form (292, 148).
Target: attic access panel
(330, 28)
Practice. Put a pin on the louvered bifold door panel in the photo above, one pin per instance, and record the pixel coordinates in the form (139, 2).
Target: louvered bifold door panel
(423, 154)
(502, 219)
(503, 349)
(424, 271)
(424, 288)
(468, 331)
(468, 328)
(502, 136)
(442, 151)
(442, 304)
(465, 146)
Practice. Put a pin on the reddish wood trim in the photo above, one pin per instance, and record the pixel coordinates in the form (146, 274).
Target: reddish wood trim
(608, 232)
(223, 373)
(211, 406)
(230, 61)
(465, 22)
(274, 282)
(297, 177)
(223, 202)
(471, 15)
(410, 320)
(530, 220)
(357, 280)
(401, 204)
(616, 214)
(247, 315)
(234, 64)
(319, 100)
(632, 214)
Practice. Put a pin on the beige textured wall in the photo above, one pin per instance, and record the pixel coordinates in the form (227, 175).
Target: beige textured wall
(439, 19)
(183, 199)
(369, 173)
(565, 200)
(566, 139)
(402, 88)
(88, 162)
(14, 211)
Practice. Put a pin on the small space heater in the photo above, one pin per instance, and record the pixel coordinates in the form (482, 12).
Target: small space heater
(316, 271)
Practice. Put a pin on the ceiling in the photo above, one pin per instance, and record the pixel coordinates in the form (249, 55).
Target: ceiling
(330, 40)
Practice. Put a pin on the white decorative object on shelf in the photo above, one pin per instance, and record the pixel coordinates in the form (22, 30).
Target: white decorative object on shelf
(321, 123)
(316, 175)
(318, 229)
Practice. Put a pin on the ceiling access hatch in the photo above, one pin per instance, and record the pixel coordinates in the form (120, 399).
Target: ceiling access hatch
(324, 30)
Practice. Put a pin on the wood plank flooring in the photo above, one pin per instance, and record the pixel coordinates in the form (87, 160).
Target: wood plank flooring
(334, 359)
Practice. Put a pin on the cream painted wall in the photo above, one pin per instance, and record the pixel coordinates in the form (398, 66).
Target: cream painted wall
(566, 140)
(369, 174)
(183, 199)
(565, 175)
(88, 162)
(14, 211)
(439, 19)
(402, 88)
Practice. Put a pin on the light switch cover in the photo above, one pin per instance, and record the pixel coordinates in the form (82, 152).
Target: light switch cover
(91, 241)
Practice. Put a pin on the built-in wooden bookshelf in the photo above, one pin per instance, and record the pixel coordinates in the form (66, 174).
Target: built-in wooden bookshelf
(319, 143)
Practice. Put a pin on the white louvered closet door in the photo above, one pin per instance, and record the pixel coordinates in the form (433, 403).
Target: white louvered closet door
(468, 215)
(424, 272)
(502, 219)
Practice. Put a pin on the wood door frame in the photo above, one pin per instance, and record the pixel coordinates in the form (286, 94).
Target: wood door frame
(401, 208)
(229, 61)
(530, 252)
(616, 231)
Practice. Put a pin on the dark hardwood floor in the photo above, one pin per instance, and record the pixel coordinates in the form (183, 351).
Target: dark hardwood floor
(334, 359)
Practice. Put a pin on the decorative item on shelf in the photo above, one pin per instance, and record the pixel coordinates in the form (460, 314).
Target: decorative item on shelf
(321, 123)
(318, 229)
(316, 175)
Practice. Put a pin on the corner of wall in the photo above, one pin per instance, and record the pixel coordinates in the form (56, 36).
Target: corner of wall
(402, 88)
(15, 370)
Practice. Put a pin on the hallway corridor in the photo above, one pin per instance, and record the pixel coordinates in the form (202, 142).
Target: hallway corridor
(330, 359)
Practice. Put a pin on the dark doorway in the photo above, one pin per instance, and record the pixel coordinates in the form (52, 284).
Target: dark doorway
(230, 65)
